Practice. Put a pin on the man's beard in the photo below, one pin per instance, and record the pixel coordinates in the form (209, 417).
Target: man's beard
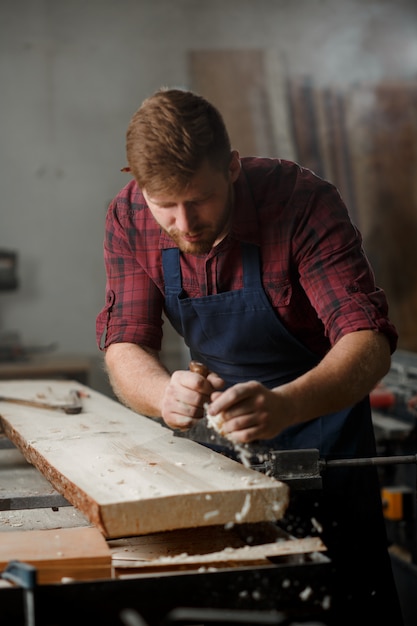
(209, 235)
(202, 246)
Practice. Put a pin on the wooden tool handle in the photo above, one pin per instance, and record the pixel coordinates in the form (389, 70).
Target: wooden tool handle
(70, 408)
(199, 368)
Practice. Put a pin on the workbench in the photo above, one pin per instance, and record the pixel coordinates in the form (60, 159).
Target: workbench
(47, 365)
(233, 585)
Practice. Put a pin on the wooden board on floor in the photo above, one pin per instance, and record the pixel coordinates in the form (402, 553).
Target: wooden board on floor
(69, 553)
(128, 474)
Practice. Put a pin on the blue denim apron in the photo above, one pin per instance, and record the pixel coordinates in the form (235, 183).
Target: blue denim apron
(238, 335)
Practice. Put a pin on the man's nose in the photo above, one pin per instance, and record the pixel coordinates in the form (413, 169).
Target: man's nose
(185, 218)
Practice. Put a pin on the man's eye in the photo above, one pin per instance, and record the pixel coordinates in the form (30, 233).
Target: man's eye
(195, 204)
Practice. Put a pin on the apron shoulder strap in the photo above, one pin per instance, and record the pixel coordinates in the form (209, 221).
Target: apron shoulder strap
(172, 271)
(251, 266)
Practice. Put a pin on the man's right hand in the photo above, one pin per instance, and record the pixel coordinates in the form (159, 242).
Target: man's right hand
(185, 396)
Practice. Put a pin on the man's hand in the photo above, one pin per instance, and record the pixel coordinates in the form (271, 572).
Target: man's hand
(141, 382)
(250, 411)
(348, 372)
(185, 396)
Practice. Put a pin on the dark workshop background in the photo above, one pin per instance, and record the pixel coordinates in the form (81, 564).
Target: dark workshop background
(330, 83)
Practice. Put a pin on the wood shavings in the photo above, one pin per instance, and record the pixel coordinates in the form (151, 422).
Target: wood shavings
(210, 514)
(317, 525)
(306, 594)
(216, 423)
(240, 516)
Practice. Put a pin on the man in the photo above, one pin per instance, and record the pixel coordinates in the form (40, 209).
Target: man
(256, 263)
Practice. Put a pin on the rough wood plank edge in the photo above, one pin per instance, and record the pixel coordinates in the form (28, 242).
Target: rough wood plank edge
(68, 490)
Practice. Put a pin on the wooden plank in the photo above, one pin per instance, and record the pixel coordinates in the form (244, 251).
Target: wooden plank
(382, 123)
(250, 544)
(197, 540)
(276, 86)
(329, 107)
(235, 82)
(395, 211)
(128, 474)
(228, 557)
(74, 553)
(305, 126)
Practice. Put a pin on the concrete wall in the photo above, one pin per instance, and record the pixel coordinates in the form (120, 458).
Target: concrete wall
(72, 72)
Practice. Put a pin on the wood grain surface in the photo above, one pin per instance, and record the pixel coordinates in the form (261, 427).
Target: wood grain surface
(130, 475)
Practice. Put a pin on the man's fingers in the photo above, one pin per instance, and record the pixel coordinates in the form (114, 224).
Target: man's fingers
(244, 436)
(215, 381)
(189, 410)
(233, 398)
(187, 394)
(182, 423)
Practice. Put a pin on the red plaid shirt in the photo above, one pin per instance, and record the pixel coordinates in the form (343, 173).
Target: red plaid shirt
(314, 270)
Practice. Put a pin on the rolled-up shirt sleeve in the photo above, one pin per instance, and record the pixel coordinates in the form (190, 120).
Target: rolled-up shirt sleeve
(335, 271)
(133, 302)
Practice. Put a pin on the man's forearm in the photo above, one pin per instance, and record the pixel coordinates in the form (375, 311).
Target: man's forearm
(346, 375)
(137, 377)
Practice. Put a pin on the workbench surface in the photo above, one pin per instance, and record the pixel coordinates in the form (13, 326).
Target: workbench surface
(154, 565)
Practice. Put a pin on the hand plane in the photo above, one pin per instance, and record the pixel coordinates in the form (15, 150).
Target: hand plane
(303, 468)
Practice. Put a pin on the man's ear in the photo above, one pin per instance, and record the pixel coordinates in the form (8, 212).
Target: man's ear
(234, 167)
